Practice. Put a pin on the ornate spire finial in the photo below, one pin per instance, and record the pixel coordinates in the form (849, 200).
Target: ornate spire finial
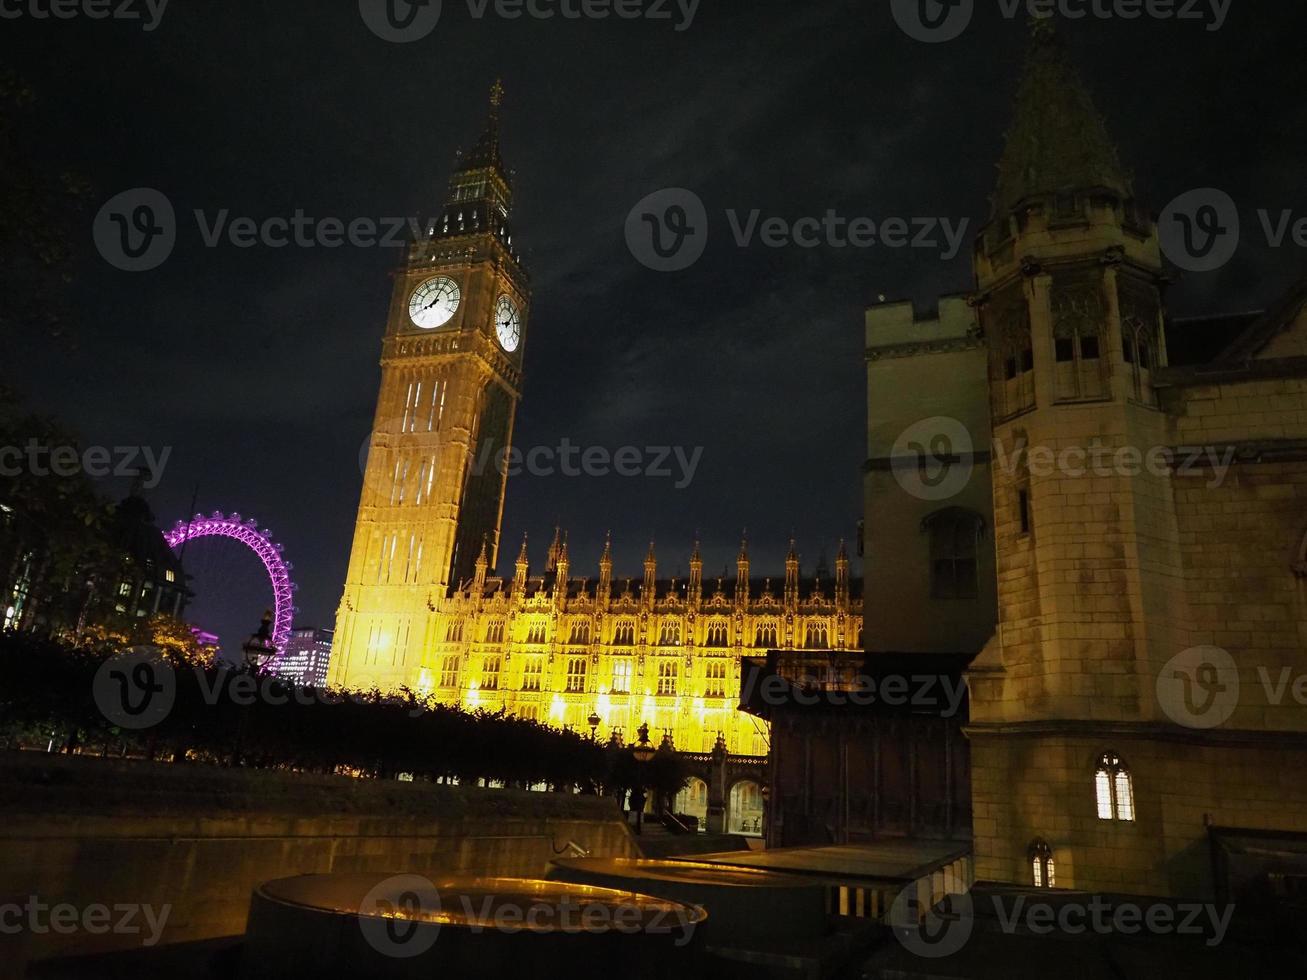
(521, 555)
(1041, 28)
(496, 95)
(1057, 142)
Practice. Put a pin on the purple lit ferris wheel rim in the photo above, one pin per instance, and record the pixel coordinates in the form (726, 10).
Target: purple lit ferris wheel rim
(219, 525)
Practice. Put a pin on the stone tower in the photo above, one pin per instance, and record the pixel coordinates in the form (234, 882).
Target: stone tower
(451, 362)
(1090, 584)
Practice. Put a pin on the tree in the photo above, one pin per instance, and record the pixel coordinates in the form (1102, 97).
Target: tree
(35, 211)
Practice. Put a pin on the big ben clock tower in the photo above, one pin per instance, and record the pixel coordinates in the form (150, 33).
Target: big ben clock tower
(451, 377)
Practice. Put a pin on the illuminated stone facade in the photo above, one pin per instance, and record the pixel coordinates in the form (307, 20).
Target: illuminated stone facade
(420, 609)
(667, 652)
(451, 375)
(1120, 711)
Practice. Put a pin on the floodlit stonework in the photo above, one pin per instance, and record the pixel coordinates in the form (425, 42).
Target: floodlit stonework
(422, 610)
(1105, 576)
(556, 647)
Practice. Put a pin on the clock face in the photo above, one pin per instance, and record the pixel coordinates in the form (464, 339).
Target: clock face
(434, 303)
(508, 324)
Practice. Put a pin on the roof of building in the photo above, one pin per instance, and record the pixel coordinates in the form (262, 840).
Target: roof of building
(1265, 327)
(1057, 140)
(1203, 339)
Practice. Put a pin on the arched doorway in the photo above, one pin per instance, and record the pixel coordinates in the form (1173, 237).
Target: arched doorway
(692, 801)
(745, 808)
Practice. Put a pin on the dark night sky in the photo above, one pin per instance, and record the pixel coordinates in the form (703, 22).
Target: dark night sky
(259, 366)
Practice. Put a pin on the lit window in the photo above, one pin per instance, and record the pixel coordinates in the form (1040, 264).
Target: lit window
(490, 674)
(576, 675)
(670, 635)
(1042, 869)
(622, 676)
(449, 672)
(668, 671)
(170, 576)
(716, 680)
(1114, 789)
(531, 674)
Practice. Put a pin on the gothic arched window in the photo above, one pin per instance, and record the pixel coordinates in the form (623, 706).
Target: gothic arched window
(1114, 789)
(955, 534)
(624, 634)
(1011, 359)
(1042, 869)
(765, 635)
(717, 633)
(580, 632)
(1141, 343)
(670, 634)
(536, 634)
(1079, 315)
(816, 637)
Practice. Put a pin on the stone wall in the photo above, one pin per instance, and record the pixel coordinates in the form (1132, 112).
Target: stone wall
(1028, 786)
(197, 839)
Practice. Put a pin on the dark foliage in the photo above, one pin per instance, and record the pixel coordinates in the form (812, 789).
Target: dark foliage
(233, 717)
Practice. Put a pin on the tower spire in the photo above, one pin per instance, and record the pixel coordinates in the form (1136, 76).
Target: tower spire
(1057, 141)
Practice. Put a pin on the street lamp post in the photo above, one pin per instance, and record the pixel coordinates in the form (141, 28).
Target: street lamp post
(643, 752)
(594, 721)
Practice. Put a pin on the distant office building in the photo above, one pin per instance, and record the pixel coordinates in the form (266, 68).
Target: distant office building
(307, 654)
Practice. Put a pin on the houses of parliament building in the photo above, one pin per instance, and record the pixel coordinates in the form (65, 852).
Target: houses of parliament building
(421, 609)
